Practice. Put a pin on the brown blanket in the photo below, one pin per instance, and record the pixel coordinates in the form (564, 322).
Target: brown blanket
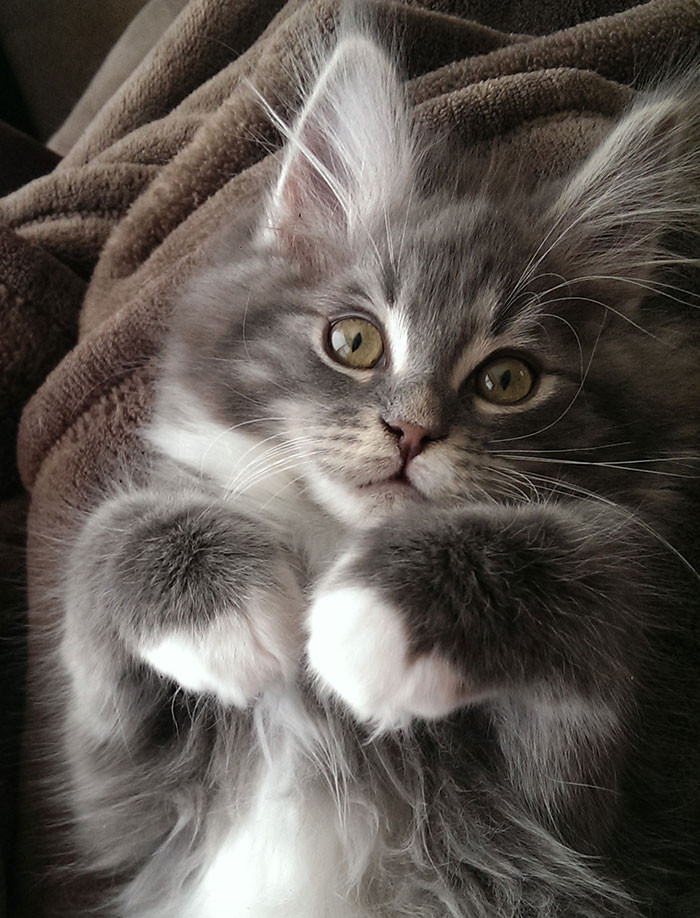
(109, 235)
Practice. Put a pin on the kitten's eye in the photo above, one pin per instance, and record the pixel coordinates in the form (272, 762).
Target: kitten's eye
(355, 343)
(504, 381)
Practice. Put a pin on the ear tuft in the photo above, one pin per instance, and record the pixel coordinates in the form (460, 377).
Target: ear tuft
(640, 185)
(349, 153)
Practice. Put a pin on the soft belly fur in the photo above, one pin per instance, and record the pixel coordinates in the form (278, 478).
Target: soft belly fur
(283, 859)
(290, 836)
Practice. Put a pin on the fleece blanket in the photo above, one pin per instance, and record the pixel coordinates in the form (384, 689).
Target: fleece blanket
(91, 254)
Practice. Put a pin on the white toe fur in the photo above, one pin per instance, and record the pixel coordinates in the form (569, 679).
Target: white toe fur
(358, 648)
(240, 654)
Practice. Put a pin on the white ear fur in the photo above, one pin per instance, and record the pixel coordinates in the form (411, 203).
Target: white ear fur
(349, 152)
(611, 214)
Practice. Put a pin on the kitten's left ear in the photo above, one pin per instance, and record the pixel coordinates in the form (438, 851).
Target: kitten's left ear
(349, 154)
(612, 216)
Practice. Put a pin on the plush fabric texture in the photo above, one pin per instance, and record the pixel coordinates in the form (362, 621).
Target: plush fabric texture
(113, 231)
(137, 40)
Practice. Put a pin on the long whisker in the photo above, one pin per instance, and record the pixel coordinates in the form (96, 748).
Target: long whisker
(607, 307)
(585, 494)
(233, 428)
(518, 291)
(284, 444)
(569, 449)
(647, 284)
(620, 466)
(290, 461)
(507, 477)
(242, 469)
(284, 487)
(279, 452)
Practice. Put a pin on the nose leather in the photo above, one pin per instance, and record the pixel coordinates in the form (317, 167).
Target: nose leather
(412, 438)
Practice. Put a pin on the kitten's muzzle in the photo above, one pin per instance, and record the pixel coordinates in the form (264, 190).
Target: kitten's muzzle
(412, 438)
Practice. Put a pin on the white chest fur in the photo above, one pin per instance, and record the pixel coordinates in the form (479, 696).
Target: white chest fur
(292, 848)
(286, 854)
(283, 861)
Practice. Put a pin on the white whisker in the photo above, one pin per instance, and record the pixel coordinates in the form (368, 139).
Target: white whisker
(619, 466)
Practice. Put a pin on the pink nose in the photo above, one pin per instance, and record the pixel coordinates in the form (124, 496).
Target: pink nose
(412, 438)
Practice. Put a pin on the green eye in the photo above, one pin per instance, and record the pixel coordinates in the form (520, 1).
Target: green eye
(504, 381)
(355, 343)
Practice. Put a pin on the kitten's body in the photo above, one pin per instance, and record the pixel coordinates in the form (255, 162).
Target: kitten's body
(492, 641)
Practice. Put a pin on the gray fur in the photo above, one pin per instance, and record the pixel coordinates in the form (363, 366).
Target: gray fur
(547, 557)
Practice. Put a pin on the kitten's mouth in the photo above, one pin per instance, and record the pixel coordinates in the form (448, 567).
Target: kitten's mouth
(365, 503)
(397, 483)
(400, 477)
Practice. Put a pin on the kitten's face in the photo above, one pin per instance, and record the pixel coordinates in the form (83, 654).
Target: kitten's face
(463, 362)
(447, 304)
(393, 342)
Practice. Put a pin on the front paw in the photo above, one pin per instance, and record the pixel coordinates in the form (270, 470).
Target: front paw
(360, 649)
(241, 652)
(204, 597)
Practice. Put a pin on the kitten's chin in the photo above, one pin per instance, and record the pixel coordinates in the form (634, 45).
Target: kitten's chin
(363, 506)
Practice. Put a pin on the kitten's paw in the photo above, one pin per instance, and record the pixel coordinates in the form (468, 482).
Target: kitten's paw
(358, 647)
(241, 653)
(181, 582)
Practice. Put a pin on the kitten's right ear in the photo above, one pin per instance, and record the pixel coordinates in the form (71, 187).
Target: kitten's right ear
(348, 155)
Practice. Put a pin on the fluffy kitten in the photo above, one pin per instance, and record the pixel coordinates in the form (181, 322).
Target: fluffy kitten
(398, 624)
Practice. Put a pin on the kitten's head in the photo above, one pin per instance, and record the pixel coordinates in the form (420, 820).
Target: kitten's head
(400, 327)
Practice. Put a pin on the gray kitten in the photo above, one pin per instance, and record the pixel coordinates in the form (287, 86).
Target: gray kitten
(399, 623)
